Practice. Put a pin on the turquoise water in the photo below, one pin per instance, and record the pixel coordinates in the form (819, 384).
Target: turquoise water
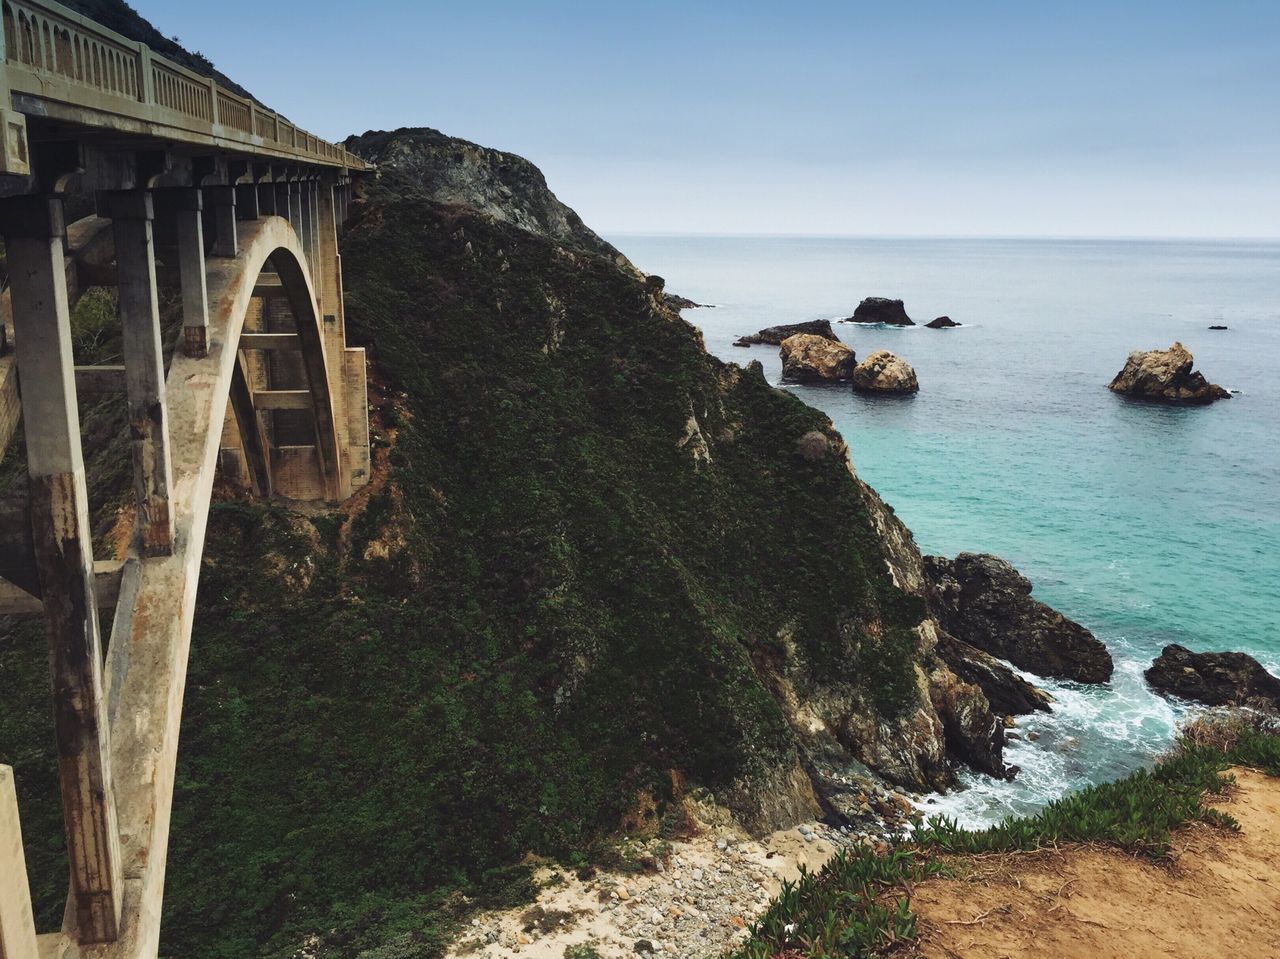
(1148, 524)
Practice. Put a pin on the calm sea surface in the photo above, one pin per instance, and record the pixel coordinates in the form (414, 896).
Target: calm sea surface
(1148, 524)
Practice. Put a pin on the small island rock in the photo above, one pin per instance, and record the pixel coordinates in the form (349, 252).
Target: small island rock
(983, 601)
(941, 323)
(1216, 679)
(881, 309)
(774, 335)
(1218, 327)
(809, 358)
(882, 372)
(1167, 377)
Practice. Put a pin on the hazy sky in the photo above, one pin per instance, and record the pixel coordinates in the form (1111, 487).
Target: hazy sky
(1119, 118)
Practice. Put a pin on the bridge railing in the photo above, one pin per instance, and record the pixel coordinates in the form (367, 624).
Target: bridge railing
(78, 69)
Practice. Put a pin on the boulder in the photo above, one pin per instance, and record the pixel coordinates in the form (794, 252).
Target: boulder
(983, 601)
(882, 372)
(1166, 376)
(941, 323)
(974, 734)
(1216, 679)
(1007, 692)
(774, 335)
(881, 309)
(807, 358)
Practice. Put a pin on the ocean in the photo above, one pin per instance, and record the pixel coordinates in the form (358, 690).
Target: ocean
(1148, 524)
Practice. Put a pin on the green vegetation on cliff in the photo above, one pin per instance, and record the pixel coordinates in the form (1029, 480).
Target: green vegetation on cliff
(590, 555)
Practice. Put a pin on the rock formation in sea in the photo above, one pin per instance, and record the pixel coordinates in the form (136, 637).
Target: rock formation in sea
(1216, 679)
(807, 358)
(881, 309)
(1166, 376)
(985, 602)
(1007, 692)
(1217, 327)
(678, 303)
(883, 372)
(774, 335)
(941, 323)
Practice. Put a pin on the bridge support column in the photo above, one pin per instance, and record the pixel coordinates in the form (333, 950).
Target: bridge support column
(223, 201)
(306, 227)
(283, 207)
(189, 217)
(34, 233)
(295, 205)
(17, 927)
(131, 214)
(266, 198)
(247, 201)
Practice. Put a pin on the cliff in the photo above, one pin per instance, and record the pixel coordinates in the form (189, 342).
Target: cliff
(598, 572)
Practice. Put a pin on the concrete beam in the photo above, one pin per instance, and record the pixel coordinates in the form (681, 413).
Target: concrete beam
(282, 400)
(131, 214)
(253, 441)
(100, 380)
(34, 233)
(17, 926)
(270, 341)
(268, 285)
(16, 601)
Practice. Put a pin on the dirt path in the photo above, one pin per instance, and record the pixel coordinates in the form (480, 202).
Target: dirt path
(1220, 896)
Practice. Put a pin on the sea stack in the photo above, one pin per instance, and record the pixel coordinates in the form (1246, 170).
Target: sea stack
(880, 309)
(882, 372)
(774, 335)
(1217, 679)
(807, 358)
(941, 323)
(1166, 376)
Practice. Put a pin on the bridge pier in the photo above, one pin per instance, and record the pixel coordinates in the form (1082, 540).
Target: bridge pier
(34, 235)
(131, 213)
(17, 927)
(188, 217)
(223, 201)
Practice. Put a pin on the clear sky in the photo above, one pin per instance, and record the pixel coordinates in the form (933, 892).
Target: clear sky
(961, 118)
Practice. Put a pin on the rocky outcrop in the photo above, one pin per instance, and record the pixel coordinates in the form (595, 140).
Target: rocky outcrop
(1217, 326)
(941, 323)
(676, 302)
(807, 358)
(974, 734)
(982, 600)
(501, 186)
(1007, 693)
(1216, 679)
(1166, 376)
(881, 309)
(883, 372)
(774, 335)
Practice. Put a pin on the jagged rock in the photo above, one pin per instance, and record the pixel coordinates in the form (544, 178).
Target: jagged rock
(881, 309)
(883, 372)
(974, 734)
(676, 302)
(942, 323)
(807, 358)
(1007, 692)
(1167, 377)
(774, 335)
(985, 602)
(1217, 679)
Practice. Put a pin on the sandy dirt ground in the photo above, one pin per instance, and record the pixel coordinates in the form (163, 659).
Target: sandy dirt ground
(709, 890)
(1220, 896)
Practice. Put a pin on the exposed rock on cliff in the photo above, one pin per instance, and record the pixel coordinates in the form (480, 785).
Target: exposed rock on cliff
(774, 335)
(1217, 679)
(1166, 376)
(421, 162)
(816, 359)
(880, 309)
(1007, 692)
(985, 602)
(942, 323)
(883, 372)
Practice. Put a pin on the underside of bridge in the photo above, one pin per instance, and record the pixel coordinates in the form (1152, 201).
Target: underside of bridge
(119, 169)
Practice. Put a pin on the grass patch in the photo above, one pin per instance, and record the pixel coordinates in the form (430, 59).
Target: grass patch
(859, 905)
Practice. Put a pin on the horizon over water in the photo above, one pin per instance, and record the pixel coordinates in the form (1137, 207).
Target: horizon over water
(1148, 524)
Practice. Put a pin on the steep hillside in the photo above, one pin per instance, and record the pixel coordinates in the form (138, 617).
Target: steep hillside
(598, 571)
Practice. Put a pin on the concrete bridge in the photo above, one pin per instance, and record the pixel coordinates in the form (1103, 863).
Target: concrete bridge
(121, 168)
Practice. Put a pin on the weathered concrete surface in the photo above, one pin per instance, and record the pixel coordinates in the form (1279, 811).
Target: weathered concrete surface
(17, 928)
